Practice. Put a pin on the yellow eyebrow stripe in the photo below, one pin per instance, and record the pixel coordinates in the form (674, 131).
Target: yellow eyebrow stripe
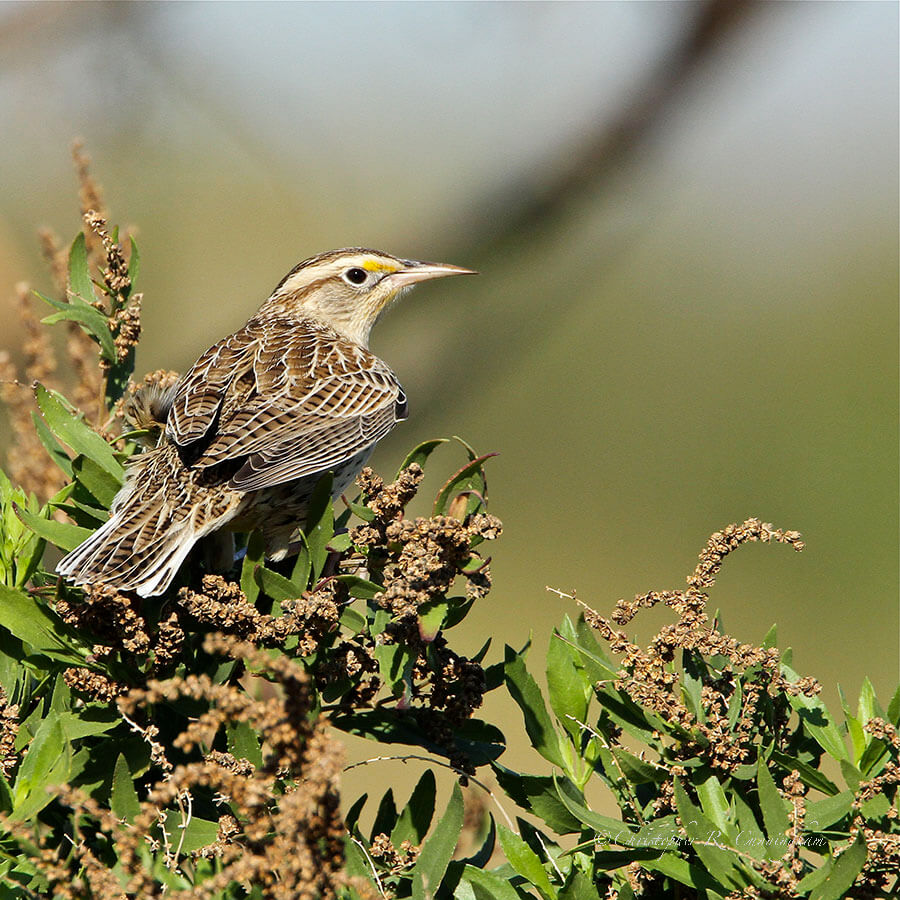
(370, 265)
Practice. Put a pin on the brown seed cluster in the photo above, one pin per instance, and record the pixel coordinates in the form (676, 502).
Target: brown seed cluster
(9, 729)
(280, 827)
(27, 463)
(647, 675)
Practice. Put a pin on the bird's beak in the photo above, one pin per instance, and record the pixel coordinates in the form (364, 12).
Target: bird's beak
(414, 272)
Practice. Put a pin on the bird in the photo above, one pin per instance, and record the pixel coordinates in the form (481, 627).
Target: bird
(246, 433)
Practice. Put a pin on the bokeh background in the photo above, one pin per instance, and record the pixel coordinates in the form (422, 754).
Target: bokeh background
(686, 219)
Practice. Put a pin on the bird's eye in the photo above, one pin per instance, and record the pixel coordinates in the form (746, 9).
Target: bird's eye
(355, 275)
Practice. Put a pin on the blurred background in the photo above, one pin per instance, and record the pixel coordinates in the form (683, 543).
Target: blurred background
(685, 216)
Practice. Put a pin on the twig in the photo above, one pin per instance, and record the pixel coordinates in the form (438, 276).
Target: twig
(406, 757)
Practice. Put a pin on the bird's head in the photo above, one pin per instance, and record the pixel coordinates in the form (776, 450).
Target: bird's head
(349, 289)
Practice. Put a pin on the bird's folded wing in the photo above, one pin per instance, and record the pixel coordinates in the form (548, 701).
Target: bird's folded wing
(309, 402)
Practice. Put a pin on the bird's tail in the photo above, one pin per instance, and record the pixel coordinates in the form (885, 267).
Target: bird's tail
(156, 518)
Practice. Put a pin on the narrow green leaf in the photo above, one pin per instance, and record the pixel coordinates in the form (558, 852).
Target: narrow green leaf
(53, 446)
(525, 861)
(636, 770)
(253, 559)
(810, 776)
(60, 534)
(415, 817)
(420, 453)
(123, 799)
(538, 795)
(40, 628)
(303, 564)
(488, 886)
(684, 872)
(243, 742)
(102, 486)
(843, 873)
(707, 841)
(715, 805)
(774, 811)
(73, 431)
(95, 323)
(616, 831)
(276, 586)
(46, 765)
(352, 620)
(320, 523)
(134, 263)
(437, 850)
(823, 813)
(469, 477)
(569, 688)
(527, 694)
(360, 587)
(80, 282)
(817, 720)
(893, 710)
(386, 816)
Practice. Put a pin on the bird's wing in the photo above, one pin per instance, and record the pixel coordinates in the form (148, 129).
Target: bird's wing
(309, 401)
(201, 390)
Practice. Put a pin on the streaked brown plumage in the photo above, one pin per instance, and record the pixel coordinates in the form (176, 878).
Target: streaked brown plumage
(255, 422)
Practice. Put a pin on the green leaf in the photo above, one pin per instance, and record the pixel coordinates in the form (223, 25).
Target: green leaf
(527, 694)
(416, 816)
(774, 811)
(817, 720)
(569, 688)
(437, 850)
(469, 477)
(352, 620)
(134, 263)
(715, 805)
(749, 838)
(823, 813)
(684, 872)
(46, 765)
(253, 559)
(243, 742)
(102, 486)
(386, 816)
(843, 873)
(525, 861)
(538, 795)
(808, 775)
(53, 446)
(60, 534)
(276, 586)
(420, 453)
(303, 564)
(431, 618)
(40, 628)
(705, 840)
(320, 523)
(893, 710)
(189, 833)
(73, 431)
(80, 283)
(123, 799)
(360, 587)
(488, 886)
(92, 321)
(616, 831)
(636, 770)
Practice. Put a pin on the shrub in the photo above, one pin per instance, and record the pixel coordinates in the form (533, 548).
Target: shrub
(186, 746)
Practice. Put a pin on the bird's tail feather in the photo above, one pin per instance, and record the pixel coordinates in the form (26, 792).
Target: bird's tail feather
(153, 526)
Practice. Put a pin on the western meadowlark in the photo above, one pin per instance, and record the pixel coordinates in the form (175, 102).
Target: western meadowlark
(256, 421)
